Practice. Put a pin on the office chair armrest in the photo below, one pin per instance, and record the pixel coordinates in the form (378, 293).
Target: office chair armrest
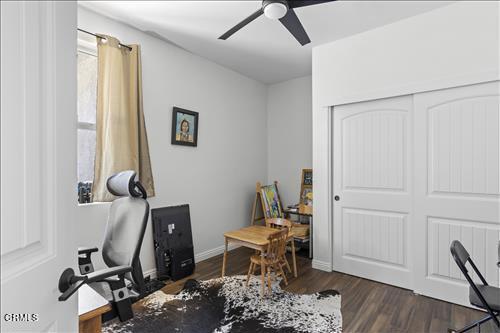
(102, 274)
(84, 260)
(87, 250)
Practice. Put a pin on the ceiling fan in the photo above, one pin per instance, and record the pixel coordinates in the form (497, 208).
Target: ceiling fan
(280, 10)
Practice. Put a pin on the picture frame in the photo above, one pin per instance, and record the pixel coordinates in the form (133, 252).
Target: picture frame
(184, 127)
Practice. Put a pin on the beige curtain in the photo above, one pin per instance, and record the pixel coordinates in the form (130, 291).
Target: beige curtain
(121, 140)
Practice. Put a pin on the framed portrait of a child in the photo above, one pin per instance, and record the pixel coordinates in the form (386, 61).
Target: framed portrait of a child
(184, 127)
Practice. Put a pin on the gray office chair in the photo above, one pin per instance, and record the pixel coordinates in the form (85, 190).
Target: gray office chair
(481, 295)
(127, 220)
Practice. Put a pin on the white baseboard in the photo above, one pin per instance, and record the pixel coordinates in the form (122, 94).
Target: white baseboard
(197, 258)
(212, 253)
(151, 273)
(322, 265)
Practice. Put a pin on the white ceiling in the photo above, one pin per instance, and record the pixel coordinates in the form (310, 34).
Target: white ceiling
(264, 49)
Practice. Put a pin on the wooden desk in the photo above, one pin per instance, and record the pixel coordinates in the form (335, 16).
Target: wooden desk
(254, 237)
(91, 306)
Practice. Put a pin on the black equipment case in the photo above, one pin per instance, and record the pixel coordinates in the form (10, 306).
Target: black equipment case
(173, 242)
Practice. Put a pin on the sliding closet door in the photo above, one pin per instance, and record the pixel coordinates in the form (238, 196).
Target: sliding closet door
(372, 207)
(456, 140)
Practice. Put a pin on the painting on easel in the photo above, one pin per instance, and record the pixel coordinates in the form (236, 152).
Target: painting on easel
(269, 194)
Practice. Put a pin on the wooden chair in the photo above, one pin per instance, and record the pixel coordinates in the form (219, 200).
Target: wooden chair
(270, 260)
(279, 223)
(277, 216)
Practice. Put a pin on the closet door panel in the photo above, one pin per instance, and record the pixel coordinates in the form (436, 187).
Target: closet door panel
(457, 194)
(372, 154)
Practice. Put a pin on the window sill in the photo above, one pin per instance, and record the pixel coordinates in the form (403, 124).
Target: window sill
(93, 204)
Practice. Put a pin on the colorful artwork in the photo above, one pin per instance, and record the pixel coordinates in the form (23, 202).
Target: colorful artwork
(184, 127)
(306, 190)
(307, 197)
(269, 194)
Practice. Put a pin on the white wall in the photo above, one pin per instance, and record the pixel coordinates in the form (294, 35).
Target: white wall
(451, 46)
(289, 125)
(217, 178)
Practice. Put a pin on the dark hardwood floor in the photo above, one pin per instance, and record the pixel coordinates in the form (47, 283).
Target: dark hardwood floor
(367, 306)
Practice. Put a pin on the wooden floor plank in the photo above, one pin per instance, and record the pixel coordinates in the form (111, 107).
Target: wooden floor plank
(367, 306)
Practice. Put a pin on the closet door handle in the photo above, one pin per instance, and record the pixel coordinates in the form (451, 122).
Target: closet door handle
(337, 198)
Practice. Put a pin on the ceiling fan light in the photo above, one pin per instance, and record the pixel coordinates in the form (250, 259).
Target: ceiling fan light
(275, 10)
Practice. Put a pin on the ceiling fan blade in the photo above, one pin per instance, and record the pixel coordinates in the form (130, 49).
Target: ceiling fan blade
(303, 3)
(242, 24)
(292, 23)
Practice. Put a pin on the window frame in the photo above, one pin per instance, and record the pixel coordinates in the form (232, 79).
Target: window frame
(89, 48)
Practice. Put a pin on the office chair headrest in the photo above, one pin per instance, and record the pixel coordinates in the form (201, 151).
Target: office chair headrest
(124, 184)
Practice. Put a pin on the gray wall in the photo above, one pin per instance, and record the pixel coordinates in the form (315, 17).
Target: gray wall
(217, 178)
(289, 124)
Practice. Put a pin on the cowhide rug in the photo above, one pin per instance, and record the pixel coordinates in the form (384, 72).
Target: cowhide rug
(225, 305)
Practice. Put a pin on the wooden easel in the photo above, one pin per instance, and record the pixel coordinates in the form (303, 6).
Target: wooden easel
(258, 197)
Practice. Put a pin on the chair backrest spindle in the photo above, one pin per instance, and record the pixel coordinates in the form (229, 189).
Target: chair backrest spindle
(277, 244)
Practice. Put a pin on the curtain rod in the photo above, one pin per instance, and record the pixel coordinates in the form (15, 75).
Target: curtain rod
(90, 33)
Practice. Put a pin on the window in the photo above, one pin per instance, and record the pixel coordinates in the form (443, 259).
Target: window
(87, 99)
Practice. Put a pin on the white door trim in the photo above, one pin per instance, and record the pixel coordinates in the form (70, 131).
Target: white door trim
(325, 199)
